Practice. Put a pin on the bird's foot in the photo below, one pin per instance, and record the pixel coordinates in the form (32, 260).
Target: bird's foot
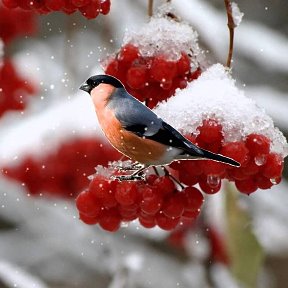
(132, 167)
(128, 177)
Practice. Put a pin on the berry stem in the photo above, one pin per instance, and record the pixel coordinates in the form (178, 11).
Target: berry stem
(167, 173)
(231, 26)
(150, 8)
(156, 171)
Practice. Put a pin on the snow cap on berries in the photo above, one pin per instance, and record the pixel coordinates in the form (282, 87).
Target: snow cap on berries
(214, 95)
(165, 36)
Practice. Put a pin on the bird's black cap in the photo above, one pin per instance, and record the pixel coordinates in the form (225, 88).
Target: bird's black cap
(94, 81)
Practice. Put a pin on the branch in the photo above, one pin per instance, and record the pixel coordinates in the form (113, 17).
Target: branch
(150, 8)
(231, 25)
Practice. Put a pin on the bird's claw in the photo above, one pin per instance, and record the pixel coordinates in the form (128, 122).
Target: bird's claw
(128, 177)
(129, 168)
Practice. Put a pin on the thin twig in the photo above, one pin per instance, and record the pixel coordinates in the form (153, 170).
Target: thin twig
(150, 8)
(167, 173)
(156, 171)
(231, 25)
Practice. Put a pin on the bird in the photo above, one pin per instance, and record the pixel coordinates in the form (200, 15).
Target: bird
(137, 132)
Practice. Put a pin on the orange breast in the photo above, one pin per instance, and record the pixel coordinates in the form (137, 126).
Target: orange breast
(138, 149)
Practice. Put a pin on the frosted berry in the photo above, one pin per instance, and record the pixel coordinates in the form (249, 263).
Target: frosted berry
(128, 54)
(257, 144)
(210, 131)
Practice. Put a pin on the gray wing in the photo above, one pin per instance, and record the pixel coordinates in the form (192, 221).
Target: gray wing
(140, 120)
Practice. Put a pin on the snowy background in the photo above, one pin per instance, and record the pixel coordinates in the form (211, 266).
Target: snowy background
(42, 242)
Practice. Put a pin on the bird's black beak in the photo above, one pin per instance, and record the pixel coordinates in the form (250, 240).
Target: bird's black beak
(85, 87)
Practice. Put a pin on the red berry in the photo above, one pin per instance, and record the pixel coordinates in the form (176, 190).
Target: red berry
(188, 178)
(235, 150)
(10, 3)
(164, 185)
(128, 54)
(166, 223)
(273, 167)
(91, 10)
(55, 5)
(151, 179)
(80, 3)
(99, 187)
(247, 186)
(210, 131)
(110, 220)
(137, 77)
(88, 219)
(263, 182)
(147, 221)
(237, 174)
(257, 144)
(173, 206)
(128, 215)
(105, 7)
(87, 205)
(151, 201)
(210, 167)
(251, 168)
(210, 186)
(126, 193)
(163, 70)
(191, 214)
(193, 199)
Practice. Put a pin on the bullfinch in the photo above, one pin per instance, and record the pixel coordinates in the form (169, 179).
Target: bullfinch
(136, 131)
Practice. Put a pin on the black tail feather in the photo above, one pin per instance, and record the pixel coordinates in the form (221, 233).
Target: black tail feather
(219, 158)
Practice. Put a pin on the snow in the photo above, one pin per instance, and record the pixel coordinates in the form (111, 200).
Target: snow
(260, 44)
(214, 95)
(154, 38)
(236, 14)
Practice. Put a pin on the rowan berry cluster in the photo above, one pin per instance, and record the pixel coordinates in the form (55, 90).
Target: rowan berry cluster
(154, 202)
(16, 22)
(88, 8)
(14, 90)
(260, 168)
(64, 171)
(151, 78)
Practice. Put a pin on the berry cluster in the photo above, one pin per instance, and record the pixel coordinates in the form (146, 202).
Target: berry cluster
(63, 172)
(155, 201)
(88, 8)
(260, 168)
(16, 22)
(151, 78)
(14, 90)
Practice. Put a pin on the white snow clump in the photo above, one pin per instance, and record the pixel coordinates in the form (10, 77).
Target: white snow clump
(214, 95)
(236, 14)
(163, 35)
